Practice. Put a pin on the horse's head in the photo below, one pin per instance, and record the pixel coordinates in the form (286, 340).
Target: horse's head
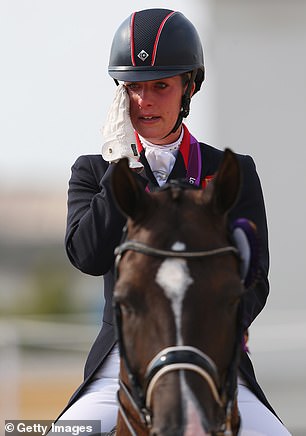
(176, 300)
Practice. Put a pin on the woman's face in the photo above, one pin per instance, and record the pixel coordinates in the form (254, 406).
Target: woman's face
(154, 108)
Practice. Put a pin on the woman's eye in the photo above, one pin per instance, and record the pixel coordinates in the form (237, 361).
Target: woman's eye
(161, 85)
(132, 86)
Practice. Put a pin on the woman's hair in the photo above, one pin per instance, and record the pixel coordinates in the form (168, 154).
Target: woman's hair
(185, 78)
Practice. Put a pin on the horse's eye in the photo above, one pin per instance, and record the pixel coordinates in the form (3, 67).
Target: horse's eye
(131, 301)
(126, 305)
(127, 309)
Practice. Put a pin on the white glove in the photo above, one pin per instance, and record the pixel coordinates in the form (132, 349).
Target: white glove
(118, 132)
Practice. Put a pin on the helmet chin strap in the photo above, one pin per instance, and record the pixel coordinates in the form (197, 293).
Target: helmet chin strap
(185, 106)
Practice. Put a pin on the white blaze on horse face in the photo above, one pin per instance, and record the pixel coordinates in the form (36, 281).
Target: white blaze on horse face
(192, 411)
(174, 278)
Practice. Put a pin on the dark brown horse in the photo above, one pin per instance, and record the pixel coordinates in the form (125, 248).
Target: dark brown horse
(177, 300)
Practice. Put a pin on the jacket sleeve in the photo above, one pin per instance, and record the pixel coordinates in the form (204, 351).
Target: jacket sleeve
(251, 206)
(94, 223)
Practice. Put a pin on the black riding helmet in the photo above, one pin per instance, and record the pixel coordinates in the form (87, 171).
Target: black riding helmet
(158, 43)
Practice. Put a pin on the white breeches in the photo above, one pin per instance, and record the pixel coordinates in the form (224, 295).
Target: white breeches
(99, 402)
(256, 419)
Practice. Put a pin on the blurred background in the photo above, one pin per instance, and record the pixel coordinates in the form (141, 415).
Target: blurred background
(55, 92)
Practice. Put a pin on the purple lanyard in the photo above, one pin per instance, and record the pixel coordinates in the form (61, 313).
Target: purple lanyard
(194, 167)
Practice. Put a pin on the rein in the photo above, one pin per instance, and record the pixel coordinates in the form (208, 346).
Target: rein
(175, 358)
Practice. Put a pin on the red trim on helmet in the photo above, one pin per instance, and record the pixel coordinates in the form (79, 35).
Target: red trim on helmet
(132, 40)
(158, 36)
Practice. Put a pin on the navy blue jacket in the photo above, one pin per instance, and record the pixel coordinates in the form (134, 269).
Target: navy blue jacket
(94, 229)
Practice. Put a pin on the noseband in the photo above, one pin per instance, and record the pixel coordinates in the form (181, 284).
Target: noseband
(174, 358)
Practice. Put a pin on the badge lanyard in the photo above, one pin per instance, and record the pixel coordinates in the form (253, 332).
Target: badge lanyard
(190, 150)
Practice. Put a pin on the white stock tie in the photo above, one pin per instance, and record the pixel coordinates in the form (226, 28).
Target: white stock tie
(161, 158)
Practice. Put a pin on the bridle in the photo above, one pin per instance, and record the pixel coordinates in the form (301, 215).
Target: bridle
(174, 358)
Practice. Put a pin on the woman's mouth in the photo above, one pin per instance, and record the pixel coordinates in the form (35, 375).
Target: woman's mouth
(149, 118)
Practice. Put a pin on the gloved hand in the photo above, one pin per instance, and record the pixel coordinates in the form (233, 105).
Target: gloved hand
(118, 132)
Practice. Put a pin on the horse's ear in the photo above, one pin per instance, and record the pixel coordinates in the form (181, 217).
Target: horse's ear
(227, 182)
(129, 194)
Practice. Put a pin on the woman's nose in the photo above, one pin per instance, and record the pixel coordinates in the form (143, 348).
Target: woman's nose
(144, 97)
